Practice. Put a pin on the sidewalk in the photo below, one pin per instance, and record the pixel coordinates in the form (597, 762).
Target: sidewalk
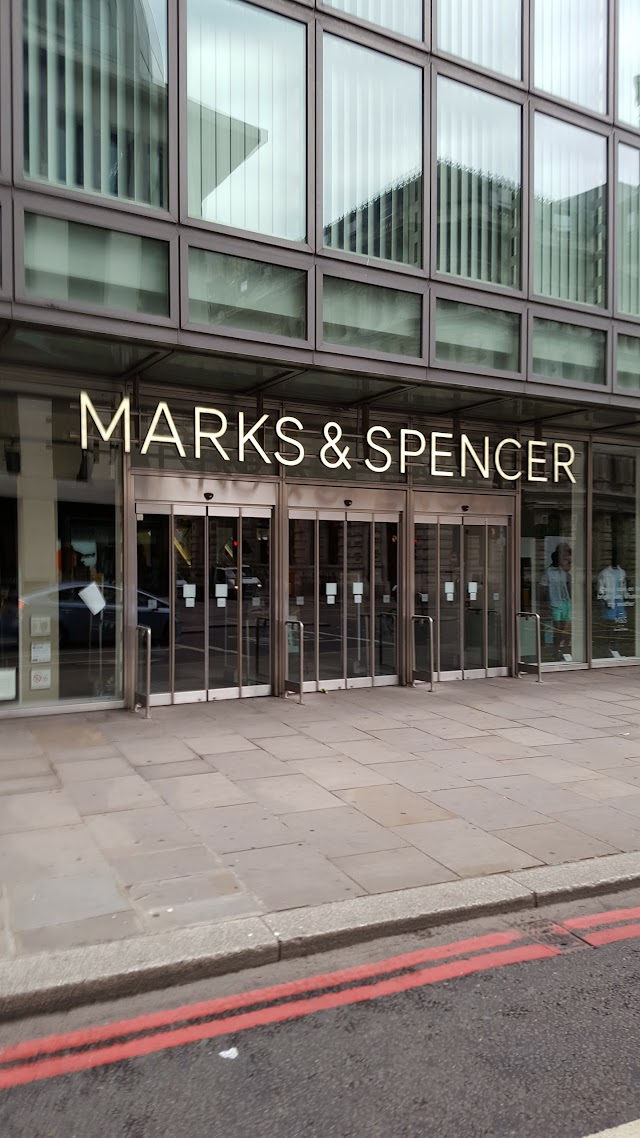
(113, 827)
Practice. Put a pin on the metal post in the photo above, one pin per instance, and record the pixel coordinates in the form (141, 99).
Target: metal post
(519, 662)
(416, 620)
(146, 695)
(300, 626)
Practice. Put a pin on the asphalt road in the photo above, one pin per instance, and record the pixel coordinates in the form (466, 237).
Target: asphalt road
(544, 1048)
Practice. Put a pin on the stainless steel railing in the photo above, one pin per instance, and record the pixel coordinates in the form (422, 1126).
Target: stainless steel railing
(521, 665)
(143, 699)
(418, 673)
(300, 682)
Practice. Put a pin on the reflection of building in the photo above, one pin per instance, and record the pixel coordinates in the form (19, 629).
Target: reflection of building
(389, 226)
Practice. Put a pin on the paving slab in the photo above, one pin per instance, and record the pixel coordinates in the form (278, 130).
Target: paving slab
(292, 792)
(339, 832)
(555, 843)
(229, 829)
(100, 796)
(465, 849)
(485, 808)
(404, 868)
(340, 773)
(393, 806)
(190, 792)
(282, 876)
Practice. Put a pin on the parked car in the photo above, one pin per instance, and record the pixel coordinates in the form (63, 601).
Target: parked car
(75, 622)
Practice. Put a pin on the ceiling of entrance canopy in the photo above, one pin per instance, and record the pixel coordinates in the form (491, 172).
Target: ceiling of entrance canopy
(85, 355)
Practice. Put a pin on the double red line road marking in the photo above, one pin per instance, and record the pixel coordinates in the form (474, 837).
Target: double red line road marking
(55, 1055)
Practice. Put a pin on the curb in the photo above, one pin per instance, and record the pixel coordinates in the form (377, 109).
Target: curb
(44, 983)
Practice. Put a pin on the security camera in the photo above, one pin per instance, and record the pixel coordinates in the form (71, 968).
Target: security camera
(465, 509)
(348, 501)
(208, 496)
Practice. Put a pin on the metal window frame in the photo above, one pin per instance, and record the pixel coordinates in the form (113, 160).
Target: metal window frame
(6, 100)
(476, 300)
(520, 84)
(362, 274)
(6, 246)
(328, 9)
(596, 116)
(632, 330)
(620, 138)
(579, 320)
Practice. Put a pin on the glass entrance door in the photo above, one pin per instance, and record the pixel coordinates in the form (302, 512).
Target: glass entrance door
(343, 586)
(461, 582)
(204, 580)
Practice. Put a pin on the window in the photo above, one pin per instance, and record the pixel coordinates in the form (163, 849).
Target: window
(569, 352)
(95, 98)
(571, 51)
(570, 212)
(83, 264)
(477, 337)
(629, 62)
(401, 16)
(376, 319)
(628, 253)
(479, 185)
(486, 32)
(616, 615)
(628, 369)
(246, 118)
(239, 293)
(372, 153)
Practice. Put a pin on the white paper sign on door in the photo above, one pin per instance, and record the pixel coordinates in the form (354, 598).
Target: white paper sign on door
(449, 590)
(93, 599)
(473, 590)
(41, 652)
(40, 678)
(331, 589)
(7, 683)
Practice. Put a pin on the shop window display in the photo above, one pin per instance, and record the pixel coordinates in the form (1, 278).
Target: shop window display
(615, 553)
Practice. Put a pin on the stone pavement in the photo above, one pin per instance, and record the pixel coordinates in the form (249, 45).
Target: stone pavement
(112, 826)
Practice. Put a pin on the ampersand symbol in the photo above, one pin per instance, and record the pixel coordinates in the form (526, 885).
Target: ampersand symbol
(333, 435)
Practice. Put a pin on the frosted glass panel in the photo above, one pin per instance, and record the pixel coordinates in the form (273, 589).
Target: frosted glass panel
(567, 351)
(401, 16)
(628, 259)
(477, 337)
(486, 32)
(571, 51)
(238, 293)
(366, 316)
(629, 62)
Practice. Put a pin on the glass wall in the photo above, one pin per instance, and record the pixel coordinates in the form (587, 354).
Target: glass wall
(628, 244)
(238, 293)
(246, 118)
(616, 549)
(479, 185)
(485, 32)
(95, 97)
(570, 212)
(478, 337)
(628, 62)
(569, 352)
(372, 106)
(401, 16)
(628, 362)
(570, 51)
(61, 610)
(376, 319)
(553, 563)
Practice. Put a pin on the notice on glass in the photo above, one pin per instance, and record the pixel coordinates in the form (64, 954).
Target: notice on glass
(222, 591)
(331, 589)
(299, 601)
(41, 652)
(40, 679)
(331, 600)
(93, 598)
(189, 592)
(221, 602)
(7, 683)
(190, 602)
(41, 626)
(358, 588)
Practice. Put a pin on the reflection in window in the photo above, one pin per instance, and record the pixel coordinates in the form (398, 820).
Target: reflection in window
(569, 352)
(571, 51)
(479, 180)
(616, 624)
(477, 337)
(372, 153)
(246, 118)
(570, 212)
(95, 97)
(629, 62)
(486, 32)
(628, 259)
(628, 363)
(239, 293)
(401, 16)
(373, 318)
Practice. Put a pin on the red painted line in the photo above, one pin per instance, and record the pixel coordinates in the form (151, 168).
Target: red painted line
(68, 1064)
(88, 1036)
(608, 936)
(597, 919)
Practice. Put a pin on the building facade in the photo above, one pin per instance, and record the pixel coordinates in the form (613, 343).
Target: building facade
(319, 335)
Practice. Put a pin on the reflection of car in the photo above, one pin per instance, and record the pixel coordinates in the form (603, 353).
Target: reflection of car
(75, 623)
(226, 575)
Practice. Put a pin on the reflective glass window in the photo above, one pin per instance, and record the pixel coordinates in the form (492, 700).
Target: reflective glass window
(616, 510)
(570, 212)
(372, 153)
(628, 252)
(628, 366)
(477, 337)
(87, 265)
(376, 319)
(238, 293)
(571, 51)
(401, 16)
(246, 118)
(479, 185)
(95, 97)
(486, 32)
(629, 62)
(569, 352)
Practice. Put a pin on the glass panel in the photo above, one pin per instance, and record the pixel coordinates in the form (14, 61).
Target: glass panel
(628, 252)
(302, 593)
(401, 16)
(497, 595)
(256, 602)
(570, 212)
(628, 371)
(84, 354)
(486, 32)
(66, 261)
(246, 118)
(569, 352)
(387, 606)
(358, 599)
(372, 106)
(190, 592)
(571, 51)
(154, 610)
(474, 596)
(449, 630)
(616, 534)
(479, 185)
(425, 548)
(376, 319)
(223, 603)
(629, 62)
(552, 563)
(331, 573)
(477, 337)
(95, 97)
(237, 293)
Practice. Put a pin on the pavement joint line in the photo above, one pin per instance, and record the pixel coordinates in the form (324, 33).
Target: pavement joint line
(42, 983)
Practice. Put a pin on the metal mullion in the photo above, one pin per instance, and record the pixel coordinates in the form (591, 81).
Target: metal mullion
(372, 600)
(240, 606)
(345, 538)
(436, 663)
(588, 553)
(485, 604)
(316, 591)
(207, 599)
(463, 573)
(172, 607)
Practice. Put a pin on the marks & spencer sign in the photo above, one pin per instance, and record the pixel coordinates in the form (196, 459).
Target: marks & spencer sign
(533, 460)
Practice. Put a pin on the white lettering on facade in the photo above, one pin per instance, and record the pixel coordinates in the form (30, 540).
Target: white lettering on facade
(123, 412)
(436, 454)
(280, 425)
(212, 436)
(381, 450)
(249, 436)
(406, 434)
(467, 448)
(173, 438)
(566, 464)
(333, 434)
(498, 460)
(534, 461)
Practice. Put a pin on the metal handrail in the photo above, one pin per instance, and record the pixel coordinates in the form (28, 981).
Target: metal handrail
(146, 695)
(300, 626)
(430, 621)
(520, 663)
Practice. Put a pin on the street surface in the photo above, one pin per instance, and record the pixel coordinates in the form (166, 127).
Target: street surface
(439, 1035)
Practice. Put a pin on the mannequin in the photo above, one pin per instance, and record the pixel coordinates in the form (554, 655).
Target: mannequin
(613, 592)
(555, 588)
